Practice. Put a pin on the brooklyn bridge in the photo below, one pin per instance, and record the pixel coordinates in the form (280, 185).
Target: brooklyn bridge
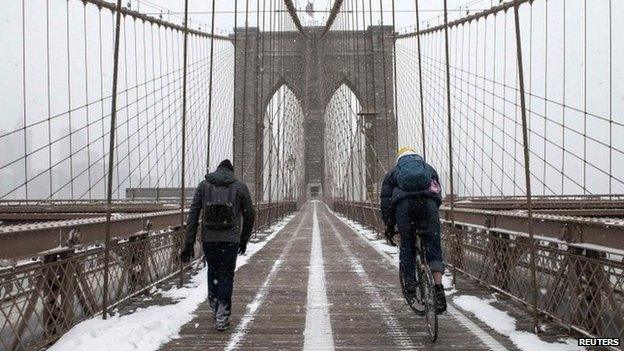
(113, 111)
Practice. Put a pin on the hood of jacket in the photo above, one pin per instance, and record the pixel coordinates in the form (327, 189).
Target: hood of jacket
(408, 157)
(221, 177)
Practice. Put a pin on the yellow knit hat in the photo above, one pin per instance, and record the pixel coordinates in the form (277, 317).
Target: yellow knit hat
(405, 149)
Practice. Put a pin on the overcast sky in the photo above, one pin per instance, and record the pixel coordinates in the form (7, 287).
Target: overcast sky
(201, 9)
(581, 72)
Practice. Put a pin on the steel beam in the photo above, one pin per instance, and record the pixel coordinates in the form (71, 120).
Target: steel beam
(26, 240)
(598, 231)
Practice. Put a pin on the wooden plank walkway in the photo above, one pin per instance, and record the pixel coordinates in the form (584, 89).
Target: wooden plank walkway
(275, 308)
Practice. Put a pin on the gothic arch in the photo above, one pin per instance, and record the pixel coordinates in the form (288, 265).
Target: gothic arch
(313, 68)
(347, 82)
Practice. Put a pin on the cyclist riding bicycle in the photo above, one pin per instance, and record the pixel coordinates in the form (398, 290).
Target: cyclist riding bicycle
(410, 198)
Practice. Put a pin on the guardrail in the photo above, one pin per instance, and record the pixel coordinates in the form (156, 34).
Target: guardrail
(43, 297)
(579, 285)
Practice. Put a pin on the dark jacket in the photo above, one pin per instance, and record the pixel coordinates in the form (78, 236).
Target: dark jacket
(391, 195)
(243, 209)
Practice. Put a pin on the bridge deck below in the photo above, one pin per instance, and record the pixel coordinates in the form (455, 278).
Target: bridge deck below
(319, 284)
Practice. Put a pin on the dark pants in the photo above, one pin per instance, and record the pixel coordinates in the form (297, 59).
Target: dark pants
(418, 216)
(221, 260)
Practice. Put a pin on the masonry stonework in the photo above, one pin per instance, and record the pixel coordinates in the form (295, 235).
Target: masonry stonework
(314, 67)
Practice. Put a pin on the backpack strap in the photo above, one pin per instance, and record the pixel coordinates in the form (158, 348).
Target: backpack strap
(210, 191)
(204, 197)
(232, 194)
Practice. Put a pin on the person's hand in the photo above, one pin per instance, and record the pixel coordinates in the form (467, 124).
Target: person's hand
(187, 253)
(242, 248)
(389, 234)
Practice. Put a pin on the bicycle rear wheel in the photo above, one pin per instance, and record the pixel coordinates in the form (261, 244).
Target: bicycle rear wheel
(415, 304)
(429, 301)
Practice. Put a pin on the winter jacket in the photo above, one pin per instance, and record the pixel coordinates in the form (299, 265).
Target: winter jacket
(243, 210)
(391, 195)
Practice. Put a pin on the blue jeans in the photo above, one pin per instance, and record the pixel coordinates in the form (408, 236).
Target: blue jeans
(418, 216)
(221, 260)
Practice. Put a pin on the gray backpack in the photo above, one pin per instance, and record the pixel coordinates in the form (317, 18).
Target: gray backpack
(219, 202)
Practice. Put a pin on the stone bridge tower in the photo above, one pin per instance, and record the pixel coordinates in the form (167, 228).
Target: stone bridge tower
(314, 68)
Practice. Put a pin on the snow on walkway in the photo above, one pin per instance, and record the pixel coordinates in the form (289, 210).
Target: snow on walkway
(147, 329)
(504, 324)
(318, 331)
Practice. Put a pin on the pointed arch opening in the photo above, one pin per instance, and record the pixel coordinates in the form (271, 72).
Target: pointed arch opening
(283, 143)
(345, 146)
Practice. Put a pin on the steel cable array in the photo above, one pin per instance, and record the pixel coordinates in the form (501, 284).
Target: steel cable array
(64, 129)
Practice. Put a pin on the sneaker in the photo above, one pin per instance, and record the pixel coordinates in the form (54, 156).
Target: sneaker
(440, 297)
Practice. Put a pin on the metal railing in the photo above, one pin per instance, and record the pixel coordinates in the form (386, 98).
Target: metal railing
(580, 286)
(43, 297)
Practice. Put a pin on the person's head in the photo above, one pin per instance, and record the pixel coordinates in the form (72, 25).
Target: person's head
(227, 164)
(404, 151)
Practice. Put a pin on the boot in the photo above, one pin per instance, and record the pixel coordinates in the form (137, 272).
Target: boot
(222, 325)
(410, 296)
(222, 318)
(212, 302)
(440, 298)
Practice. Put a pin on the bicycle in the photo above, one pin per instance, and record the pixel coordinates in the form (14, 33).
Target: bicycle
(425, 295)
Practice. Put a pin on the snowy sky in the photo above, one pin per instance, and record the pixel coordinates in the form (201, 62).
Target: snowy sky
(602, 97)
(430, 9)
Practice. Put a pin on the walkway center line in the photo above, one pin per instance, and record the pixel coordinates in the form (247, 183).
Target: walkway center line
(252, 307)
(318, 331)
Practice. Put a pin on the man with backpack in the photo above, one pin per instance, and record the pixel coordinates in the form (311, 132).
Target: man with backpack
(224, 201)
(410, 198)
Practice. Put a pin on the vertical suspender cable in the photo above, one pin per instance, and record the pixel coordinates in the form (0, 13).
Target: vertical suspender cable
(527, 170)
(235, 80)
(48, 93)
(244, 103)
(385, 87)
(183, 149)
(86, 63)
(212, 28)
(373, 169)
(24, 99)
(394, 63)
(111, 147)
(450, 143)
(69, 104)
(420, 84)
(258, 172)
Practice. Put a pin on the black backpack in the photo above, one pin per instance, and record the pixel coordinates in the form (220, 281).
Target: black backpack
(219, 207)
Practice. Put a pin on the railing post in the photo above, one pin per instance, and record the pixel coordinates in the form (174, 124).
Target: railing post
(111, 158)
(183, 175)
(137, 261)
(527, 169)
(57, 292)
(452, 231)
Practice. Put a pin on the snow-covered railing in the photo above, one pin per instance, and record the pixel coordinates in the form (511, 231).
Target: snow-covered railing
(42, 297)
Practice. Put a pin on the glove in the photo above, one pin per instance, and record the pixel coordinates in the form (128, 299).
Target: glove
(242, 248)
(187, 253)
(389, 234)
